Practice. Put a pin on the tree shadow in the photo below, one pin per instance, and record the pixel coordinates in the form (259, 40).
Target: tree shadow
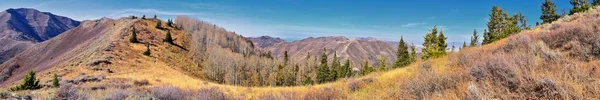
(179, 46)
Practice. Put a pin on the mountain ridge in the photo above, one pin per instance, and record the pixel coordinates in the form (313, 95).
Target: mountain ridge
(23, 27)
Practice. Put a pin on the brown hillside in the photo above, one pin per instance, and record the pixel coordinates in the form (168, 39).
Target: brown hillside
(357, 50)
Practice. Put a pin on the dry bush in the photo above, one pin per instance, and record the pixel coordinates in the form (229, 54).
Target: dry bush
(211, 94)
(5, 95)
(167, 93)
(141, 82)
(427, 83)
(579, 39)
(69, 92)
(325, 93)
(118, 95)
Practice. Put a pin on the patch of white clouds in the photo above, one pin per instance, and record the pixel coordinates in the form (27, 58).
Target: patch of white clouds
(129, 12)
(412, 24)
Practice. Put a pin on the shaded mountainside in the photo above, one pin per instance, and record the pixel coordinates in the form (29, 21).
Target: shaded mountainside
(24, 27)
(357, 50)
(265, 41)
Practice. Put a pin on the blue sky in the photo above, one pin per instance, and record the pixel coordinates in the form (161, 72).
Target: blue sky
(298, 19)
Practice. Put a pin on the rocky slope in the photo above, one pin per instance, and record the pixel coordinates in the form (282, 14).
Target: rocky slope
(24, 27)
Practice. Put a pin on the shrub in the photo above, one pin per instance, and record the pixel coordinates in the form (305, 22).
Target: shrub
(427, 82)
(168, 38)
(118, 95)
(211, 94)
(147, 52)
(167, 93)
(68, 92)
(5, 95)
(29, 83)
(141, 82)
(133, 38)
(55, 81)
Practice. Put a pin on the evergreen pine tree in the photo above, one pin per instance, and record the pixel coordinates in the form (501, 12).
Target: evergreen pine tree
(55, 81)
(595, 2)
(286, 57)
(335, 64)
(442, 45)
(158, 25)
(453, 47)
(474, 39)
(323, 70)
(347, 69)
(341, 70)
(147, 52)
(579, 6)
(307, 80)
(29, 82)
(168, 38)
(133, 38)
(402, 55)
(382, 65)
(413, 53)
(366, 68)
(464, 44)
(496, 24)
(548, 12)
(430, 45)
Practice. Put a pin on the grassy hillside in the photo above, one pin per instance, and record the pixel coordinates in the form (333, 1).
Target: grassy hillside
(552, 61)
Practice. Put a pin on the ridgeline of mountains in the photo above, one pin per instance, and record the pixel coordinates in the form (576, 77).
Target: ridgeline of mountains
(357, 50)
(23, 27)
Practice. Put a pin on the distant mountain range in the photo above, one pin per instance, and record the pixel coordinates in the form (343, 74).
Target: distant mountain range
(24, 27)
(357, 50)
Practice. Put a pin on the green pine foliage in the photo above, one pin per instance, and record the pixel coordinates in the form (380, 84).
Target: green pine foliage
(55, 81)
(170, 23)
(501, 25)
(382, 65)
(147, 52)
(549, 12)
(335, 64)
(367, 68)
(323, 70)
(347, 70)
(133, 38)
(434, 45)
(595, 2)
(474, 39)
(579, 6)
(402, 55)
(158, 25)
(168, 38)
(286, 57)
(307, 81)
(29, 83)
(413, 53)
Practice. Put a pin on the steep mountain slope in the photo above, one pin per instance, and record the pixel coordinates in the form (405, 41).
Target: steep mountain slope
(23, 27)
(100, 48)
(357, 50)
(265, 41)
